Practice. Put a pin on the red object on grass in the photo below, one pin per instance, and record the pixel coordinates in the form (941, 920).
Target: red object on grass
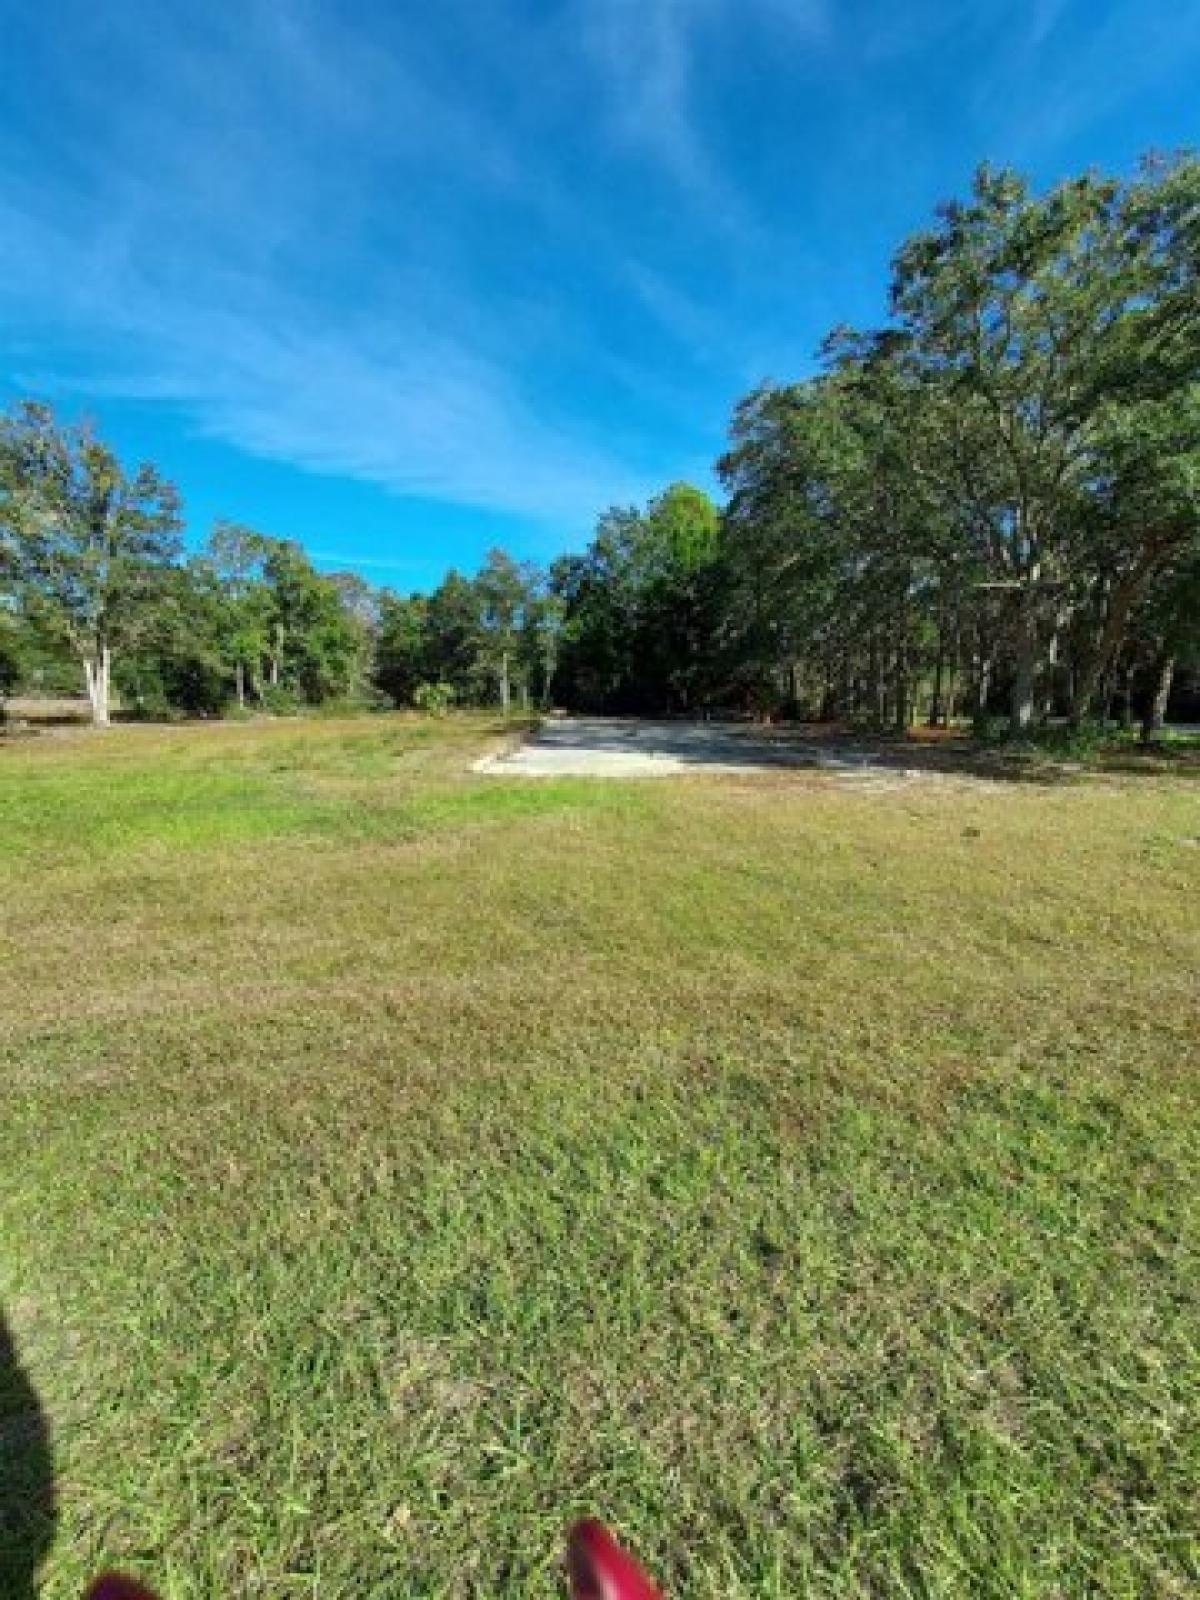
(600, 1569)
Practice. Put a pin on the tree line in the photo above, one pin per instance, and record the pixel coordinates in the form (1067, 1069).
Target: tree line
(987, 508)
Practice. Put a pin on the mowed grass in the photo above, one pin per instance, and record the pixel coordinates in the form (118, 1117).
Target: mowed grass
(396, 1163)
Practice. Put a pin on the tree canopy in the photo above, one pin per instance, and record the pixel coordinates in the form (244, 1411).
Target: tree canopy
(988, 506)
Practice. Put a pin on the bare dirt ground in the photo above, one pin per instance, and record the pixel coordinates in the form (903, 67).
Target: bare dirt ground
(611, 747)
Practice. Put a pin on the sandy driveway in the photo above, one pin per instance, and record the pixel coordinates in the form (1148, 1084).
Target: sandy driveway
(610, 747)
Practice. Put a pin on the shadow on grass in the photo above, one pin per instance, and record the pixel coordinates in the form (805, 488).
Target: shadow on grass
(1040, 761)
(27, 1501)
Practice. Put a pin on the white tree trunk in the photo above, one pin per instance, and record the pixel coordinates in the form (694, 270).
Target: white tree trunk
(505, 692)
(1021, 706)
(97, 672)
(983, 683)
(1160, 694)
(1021, 712)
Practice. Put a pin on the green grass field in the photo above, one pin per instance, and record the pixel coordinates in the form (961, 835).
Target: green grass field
(396, 1163)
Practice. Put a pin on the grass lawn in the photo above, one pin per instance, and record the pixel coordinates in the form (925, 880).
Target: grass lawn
(395, 1163)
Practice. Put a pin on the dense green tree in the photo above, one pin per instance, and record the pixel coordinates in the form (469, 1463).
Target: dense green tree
(89, 544)
(1023, 318)
(638, 605)
(676, 611)
(1164, 635)
(979, 496)
(181, 662)
(484, 637)
(832, 547)
(455, 651)
(541, 639)
(504, 591)
(10, 652)
(401, 645)
(238, 556)
(989, 503)
(598, 590)
(316, 647)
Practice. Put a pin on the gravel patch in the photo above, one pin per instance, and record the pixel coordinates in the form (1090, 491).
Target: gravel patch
(608, 747)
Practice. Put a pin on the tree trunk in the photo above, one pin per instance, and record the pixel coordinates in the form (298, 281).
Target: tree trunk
(844, 684)
(939, 669)
(97, 671)
(1021, 706)
(1156, 708)
(983, 681)
(1112, 634)
(875, 682)
(901, 644)
(1108, 699)
(241, 685)
(1085, 687)
(1127, 696)
(505, 691)
(825, 713)
(900, 690)
(1048, 683)
(954, 676)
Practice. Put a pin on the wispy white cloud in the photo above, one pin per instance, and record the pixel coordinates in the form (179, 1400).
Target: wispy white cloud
(278, 227)
(185, 261)
(342, 560)
(406, 408)
(648, 51)
(498, 255)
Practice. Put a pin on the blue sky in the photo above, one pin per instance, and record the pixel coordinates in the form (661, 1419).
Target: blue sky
(406, 280)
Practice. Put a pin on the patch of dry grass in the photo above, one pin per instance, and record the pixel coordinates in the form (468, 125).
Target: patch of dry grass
(397, 1162)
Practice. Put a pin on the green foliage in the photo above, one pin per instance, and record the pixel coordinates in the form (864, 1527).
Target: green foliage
(11, 662)
(503, 588)
(231, 711)
(1081, 742)
(401, 645)
(434, 698)
(640, 606)
(987, 506)
(281, 700)
(365, 699)
(87, 546)
(317, 648)
(980, 503)
(490, 638)
(179, 663)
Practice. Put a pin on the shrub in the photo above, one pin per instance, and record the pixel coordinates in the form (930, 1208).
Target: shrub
(281, 701)
(434, 698)
(367, 699)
